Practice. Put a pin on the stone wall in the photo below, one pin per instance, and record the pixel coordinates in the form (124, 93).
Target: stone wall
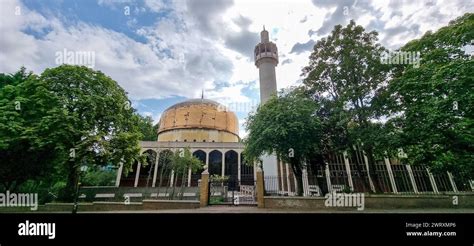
(376, 202)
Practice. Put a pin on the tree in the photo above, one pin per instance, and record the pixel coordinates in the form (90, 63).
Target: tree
(182, 161)
(345, 75)
(25, 150)
(148, 130)
(284, 125)
(433, 104)
(93, 123)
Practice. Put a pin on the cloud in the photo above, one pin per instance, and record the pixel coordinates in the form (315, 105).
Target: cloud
(286, 61)
(183, 46)
(206, 14)
(303, 47)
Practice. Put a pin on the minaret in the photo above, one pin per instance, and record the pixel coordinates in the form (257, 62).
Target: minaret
(266, 59)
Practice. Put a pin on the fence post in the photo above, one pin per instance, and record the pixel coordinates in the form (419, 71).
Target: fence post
(204, 189)
(451, 180)
(390, 175)
(432, 181)
(328, 177)
(412, 178)
(348, 171)
(305, 182)
(260, 188)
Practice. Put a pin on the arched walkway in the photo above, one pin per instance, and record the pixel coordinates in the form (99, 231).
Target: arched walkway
(215, 162)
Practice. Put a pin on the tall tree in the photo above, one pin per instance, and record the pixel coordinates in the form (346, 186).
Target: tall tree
(284, 125)
(26, 152)
(346, 75)
(434, 103)
(94, 125)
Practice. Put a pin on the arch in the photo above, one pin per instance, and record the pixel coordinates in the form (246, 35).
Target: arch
(164, 168)
(246, 171)
(128, 180)
(215, 162)
(231, 164)
(201, 155)
(148, 149)
(146, 170)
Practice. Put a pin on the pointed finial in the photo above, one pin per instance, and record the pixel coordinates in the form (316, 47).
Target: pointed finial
(264, 27)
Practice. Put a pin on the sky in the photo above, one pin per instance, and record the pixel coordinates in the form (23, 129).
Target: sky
(166, 51)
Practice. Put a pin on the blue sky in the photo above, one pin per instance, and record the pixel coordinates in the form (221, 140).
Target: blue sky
(166, 51)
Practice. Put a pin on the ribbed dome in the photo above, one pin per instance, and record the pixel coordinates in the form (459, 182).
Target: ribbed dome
(199, 114)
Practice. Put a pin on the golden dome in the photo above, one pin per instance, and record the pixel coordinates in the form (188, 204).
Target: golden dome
(198, 120)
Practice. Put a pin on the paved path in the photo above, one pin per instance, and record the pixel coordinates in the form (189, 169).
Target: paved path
(253, 210)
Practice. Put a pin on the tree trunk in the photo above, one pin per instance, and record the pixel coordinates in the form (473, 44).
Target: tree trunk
(322, 186)
(365, 177)
(373, 173)
(69, 191)
(298, 172)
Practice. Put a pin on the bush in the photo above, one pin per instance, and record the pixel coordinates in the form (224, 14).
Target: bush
(99, 178)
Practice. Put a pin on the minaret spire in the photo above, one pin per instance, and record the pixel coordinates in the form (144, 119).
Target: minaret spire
(202, 94)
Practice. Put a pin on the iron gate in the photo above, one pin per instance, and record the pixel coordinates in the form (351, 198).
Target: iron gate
(232, 192)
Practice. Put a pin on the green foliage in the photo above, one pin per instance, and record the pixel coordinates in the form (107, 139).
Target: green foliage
(183, 160)
(70, 116)
(345, 75)
(218, 178)
(284, 125)
(99, 177)
(434, 103)
(148, 130)
(26, 151)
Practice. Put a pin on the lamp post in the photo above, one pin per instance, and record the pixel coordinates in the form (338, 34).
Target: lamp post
(83, 169)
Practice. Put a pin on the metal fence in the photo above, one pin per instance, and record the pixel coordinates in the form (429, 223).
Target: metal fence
(233, 191)
(386, 178)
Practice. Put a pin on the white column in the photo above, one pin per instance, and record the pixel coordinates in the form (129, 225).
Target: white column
(432, 181)
(371, 183)
(207, 160)
(296, 184)
(155, 172)
(223, 163)
(390, 174)
(412, 178)
(288, 178)
(189, 177)
(119, 175)
(238, 167)
(137, 175)
(254, 172)
(451, 180)
(328, 178)
(282, 188)
(172, 178)
(348, 170)
(305, 182)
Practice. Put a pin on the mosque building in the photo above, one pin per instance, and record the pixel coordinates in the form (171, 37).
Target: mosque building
(210, 131)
